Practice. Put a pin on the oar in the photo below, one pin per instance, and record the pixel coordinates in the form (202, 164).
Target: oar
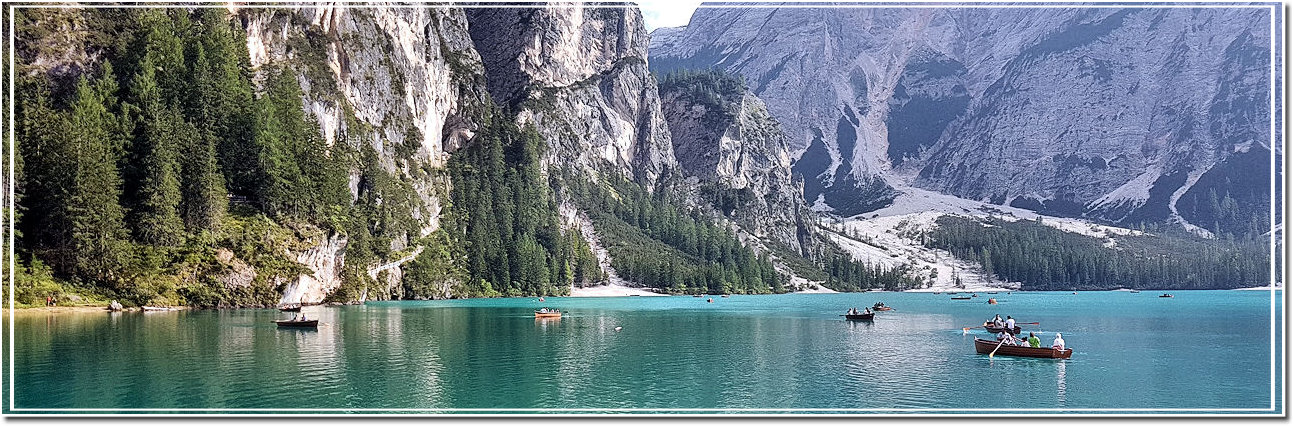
(999, 344)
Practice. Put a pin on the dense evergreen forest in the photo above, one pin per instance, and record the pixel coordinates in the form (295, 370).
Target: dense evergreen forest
(126, 174)
(656, 242)
(1045, 258)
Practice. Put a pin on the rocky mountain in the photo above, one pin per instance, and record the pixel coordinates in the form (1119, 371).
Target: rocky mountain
(579, 75)
(1122, 115)
(405, 81)
(726, 141)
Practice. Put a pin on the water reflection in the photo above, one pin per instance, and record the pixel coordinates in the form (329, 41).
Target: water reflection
(1060, 383)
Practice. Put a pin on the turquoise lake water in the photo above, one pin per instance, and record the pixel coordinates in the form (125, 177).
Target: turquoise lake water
(1133, 353)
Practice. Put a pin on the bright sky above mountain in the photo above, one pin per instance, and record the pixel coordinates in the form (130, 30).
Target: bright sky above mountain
(667, 13)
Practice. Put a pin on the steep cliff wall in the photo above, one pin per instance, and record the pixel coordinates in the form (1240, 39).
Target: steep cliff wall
(726, 141)
(579, 75)
(404, 81)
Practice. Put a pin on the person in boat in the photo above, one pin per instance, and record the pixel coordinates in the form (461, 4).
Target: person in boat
(867, 311)
(997, 321)
(1058, 344)
(1010, 323)
(1034, 342)
(543, 310)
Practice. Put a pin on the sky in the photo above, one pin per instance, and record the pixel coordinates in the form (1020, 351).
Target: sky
(667, 13)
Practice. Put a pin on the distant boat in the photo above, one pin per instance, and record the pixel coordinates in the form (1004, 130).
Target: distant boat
(290, 308)
(984, 346)
(548, 314)
(881, 307)
(936, 292)
(961, 298)
(859, 317)
(298, 323)
(1165, 295)
(726, 295)
(992, 292)
(156, 309)
(696, 295)
(1136, 291)
(974, 295)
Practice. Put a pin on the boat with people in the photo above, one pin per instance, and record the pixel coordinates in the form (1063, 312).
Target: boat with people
(880, 306)
(298, 323)
(985, 346)
(991, 328)
(1165, 295)
(290, 308)
(548, 313)
(860, 316)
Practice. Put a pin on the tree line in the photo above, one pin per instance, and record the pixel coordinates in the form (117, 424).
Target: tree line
(1045, 258)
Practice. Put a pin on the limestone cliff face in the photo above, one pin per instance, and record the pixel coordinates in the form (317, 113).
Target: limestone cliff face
(579, 75)
(388, 77)
(730, 146)
(1118, 114)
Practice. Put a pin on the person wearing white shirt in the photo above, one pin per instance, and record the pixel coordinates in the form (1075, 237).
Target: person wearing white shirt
(1058, 344)
(1010, 324)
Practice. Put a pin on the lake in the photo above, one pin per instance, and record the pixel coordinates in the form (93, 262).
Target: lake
(1133, 353)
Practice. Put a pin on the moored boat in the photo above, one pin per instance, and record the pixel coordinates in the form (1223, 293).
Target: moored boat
(985, 346)
(859, 317)
(298, 323)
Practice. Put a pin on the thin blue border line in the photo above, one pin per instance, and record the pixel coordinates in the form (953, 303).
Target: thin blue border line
(1269, 5)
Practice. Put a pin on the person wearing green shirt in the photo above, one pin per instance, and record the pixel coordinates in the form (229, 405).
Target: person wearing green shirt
(1033, 341)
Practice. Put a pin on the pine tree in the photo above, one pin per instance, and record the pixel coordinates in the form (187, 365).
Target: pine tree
(96, 137)
(155, 214)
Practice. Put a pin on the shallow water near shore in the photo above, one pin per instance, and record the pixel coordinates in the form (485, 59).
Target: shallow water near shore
(1133, 353)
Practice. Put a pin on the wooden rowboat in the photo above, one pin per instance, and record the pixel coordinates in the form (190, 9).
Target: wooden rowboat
(298, 324)
(859, 317)
(1165, 295)
(549, 314)
(984, 346)
(991, 329)
(296, 308)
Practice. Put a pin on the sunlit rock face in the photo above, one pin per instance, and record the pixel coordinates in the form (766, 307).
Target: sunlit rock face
(1120, 114)
(406, 81)
(579, 75)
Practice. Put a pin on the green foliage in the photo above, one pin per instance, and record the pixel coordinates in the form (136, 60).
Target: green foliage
(1045, 258)
(125, 190)
(658, 244)
(505, 216)
(437, 270)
